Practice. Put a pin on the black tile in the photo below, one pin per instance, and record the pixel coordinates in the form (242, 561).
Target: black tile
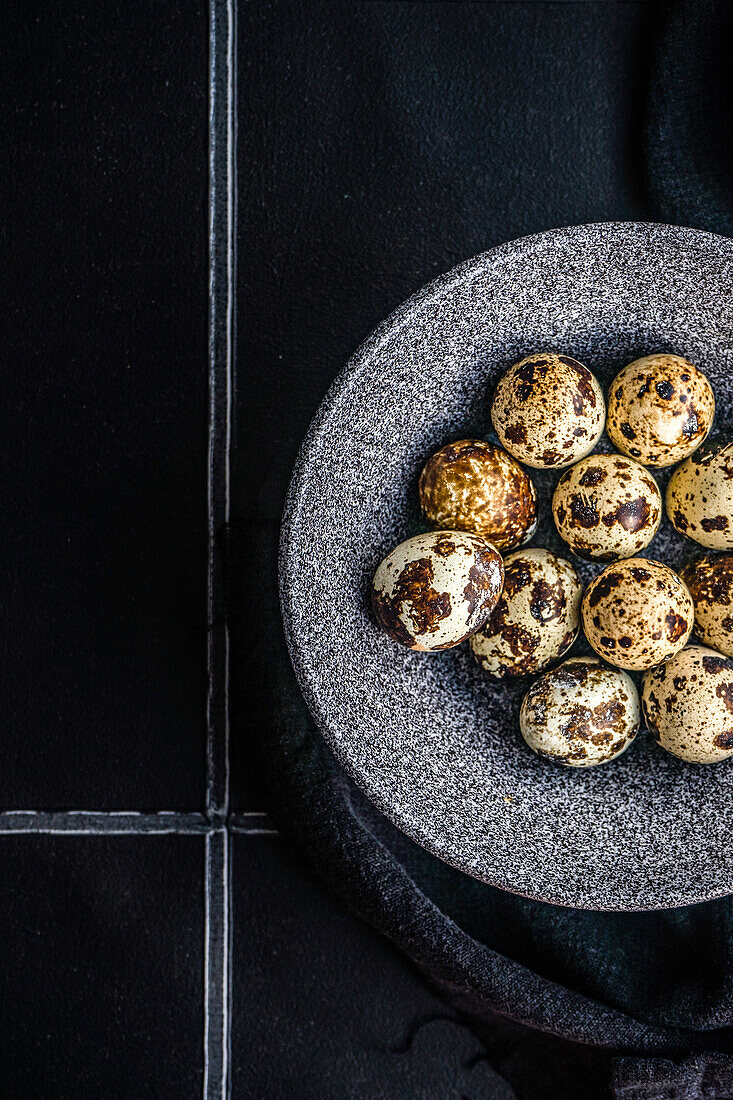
(323, 1006)
(104, 404)
(380, 144)
(101, 956)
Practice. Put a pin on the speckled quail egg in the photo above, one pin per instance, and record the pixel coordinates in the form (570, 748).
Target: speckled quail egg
(434, 590)
(700, 497)
(581, 713)
(475, 486)
(536, 619)
(637, 613)
(548, 410)
(688, 705)
(710, 581)
(660, 408)
(607, 507)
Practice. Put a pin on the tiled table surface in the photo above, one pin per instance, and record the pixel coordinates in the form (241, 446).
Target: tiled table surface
(114, 815)
(159, 939)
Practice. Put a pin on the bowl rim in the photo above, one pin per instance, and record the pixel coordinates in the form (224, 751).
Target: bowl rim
(349, 375)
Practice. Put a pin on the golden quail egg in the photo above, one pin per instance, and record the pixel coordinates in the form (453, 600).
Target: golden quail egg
(700, 497)
(637, 613)
(581, 713)
(548, 410)
(607, 507)
(688, 705)
(434, 590)
(475, 486)
(660, 408)
(536, 619)
(710, 581)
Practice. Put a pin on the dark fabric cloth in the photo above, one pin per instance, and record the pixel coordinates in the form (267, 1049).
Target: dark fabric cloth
(567, 1003)
(689, 118)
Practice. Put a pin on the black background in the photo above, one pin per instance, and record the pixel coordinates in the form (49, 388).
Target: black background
(379, 144)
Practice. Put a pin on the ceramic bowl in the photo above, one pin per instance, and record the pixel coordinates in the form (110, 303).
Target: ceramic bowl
(434, 742)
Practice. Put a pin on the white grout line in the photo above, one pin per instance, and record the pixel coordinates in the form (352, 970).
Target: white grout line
(227, 973)
(252, 823)
(222, 242)
(127, 822)
(231, 336)
(210, 610)
(112, 813)
(104, 823)
(231, 248)
(216, 967)
(222, 218)
(256, 832)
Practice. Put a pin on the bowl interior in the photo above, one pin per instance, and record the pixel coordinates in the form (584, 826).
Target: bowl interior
(432, 741)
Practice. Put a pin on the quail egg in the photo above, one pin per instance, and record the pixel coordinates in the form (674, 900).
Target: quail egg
(710, 581)
(700, 497)
(548, 410)
(581, 713)
(660, 408)
(688, 705)
(607, 507)
(637, 613)
(536, 619)
(434, 590)
(475, 486)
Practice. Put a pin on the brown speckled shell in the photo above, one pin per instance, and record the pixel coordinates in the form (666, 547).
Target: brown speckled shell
(710, 581)
(580, 714)
(474, 486)
(607, 507)
(536, 619)
(699, 497)
(660, 408)
(688, 705)
(434, 590)
(637, 613)
(548, 410)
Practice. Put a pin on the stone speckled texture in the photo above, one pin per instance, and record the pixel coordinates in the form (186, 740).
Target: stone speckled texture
(433, 742)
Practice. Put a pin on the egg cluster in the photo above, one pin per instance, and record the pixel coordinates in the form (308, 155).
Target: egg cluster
(521, 610)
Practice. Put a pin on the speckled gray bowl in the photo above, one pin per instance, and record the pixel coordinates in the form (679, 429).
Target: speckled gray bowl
(432, 741)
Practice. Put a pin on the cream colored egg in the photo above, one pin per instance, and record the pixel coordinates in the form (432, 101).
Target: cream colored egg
(688, 705)
(607, 507)
(637, 613)
(660, 408)
(536, 619)
(710, 581)
(700, 497)
(434, 590)
(548, 410)
(581, 713)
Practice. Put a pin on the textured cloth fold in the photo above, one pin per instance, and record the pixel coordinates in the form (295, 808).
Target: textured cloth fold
(702, 1077)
